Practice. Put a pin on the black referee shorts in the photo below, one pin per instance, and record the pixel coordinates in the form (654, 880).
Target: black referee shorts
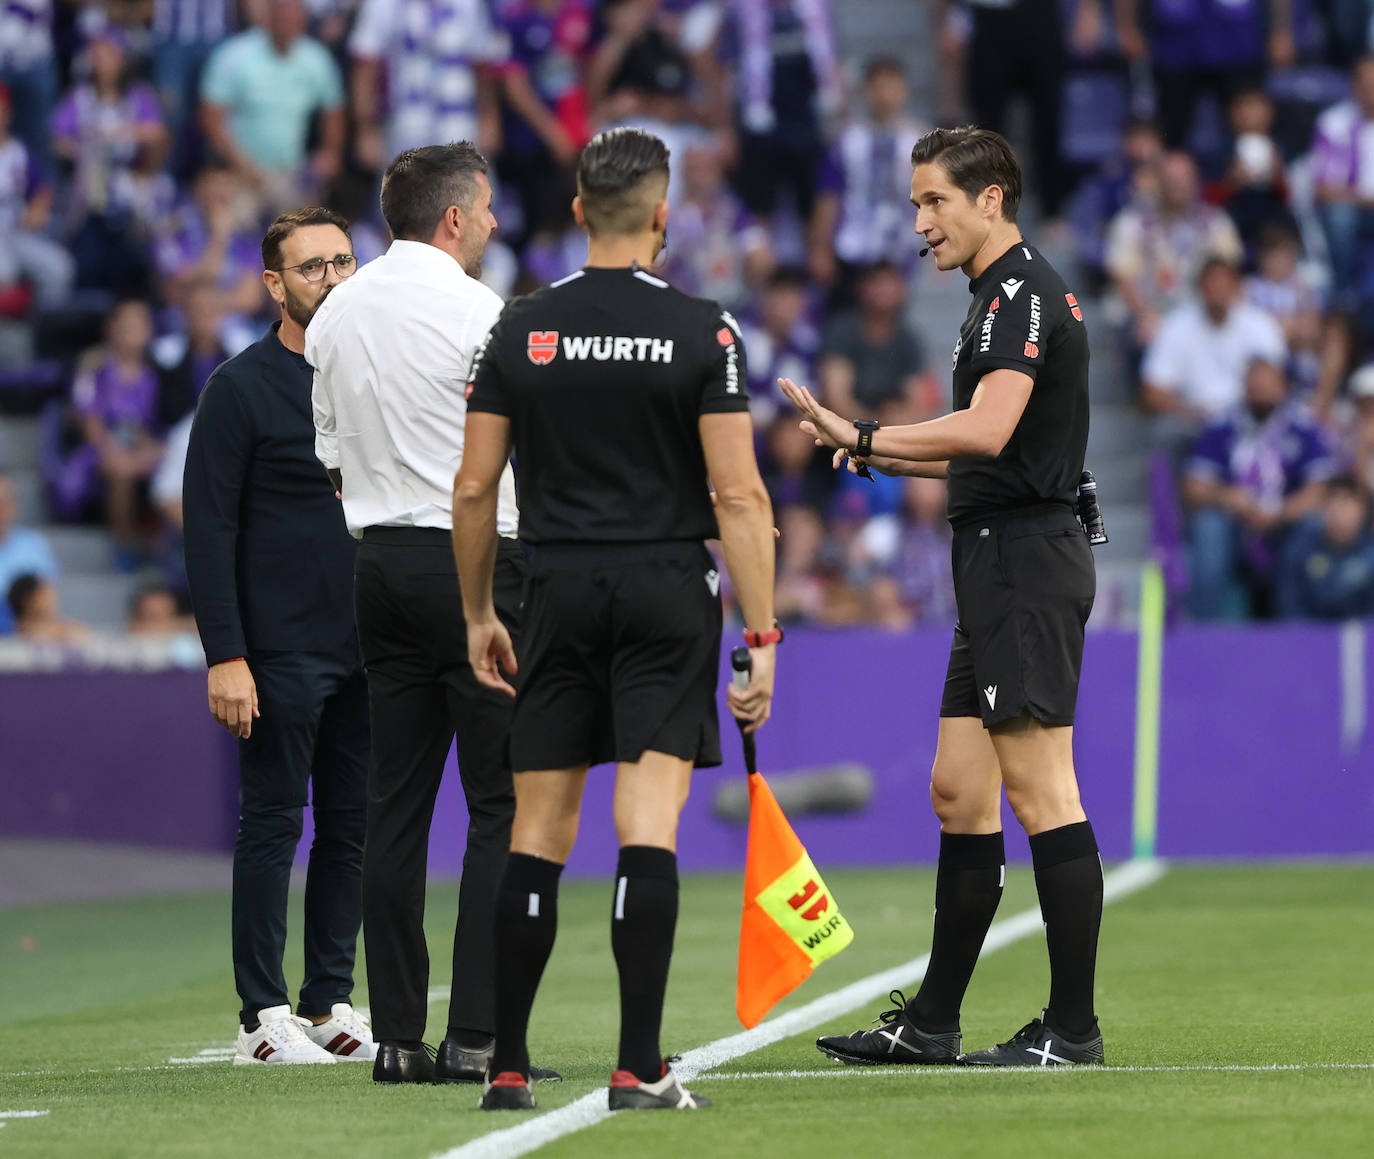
(1024, 582)
(619, 655)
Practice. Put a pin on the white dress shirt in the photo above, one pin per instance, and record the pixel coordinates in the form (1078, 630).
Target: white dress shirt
(1205, 364)
(391, 348)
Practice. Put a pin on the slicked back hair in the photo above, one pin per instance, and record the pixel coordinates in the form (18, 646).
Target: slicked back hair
(618, 178)
(420, 185)
(287, 224)
(974, 158)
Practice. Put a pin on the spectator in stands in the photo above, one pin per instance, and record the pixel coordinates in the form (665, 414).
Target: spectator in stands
(185, 33)
(1253, 473)
(259, 94)
(28, 69)
(1155, 245)
(103, 126)
(781, 341)
(164, 490)
(37, 614)
(1343, 172)
(1121, 178)
(115, 397)
(547, 119)
(185, 360)
(434, 63)
(1316, 347)
(23, 551)
(1327, 568)
(1254, 189)
(639, 77)
(154, 611)
(212, 236)
(870, 359)
(902, 559)
(716, 248)
(863, 212)
(1361, 390)
(788, 85)
(1195, 368)
(1207, 46)
(26, 197)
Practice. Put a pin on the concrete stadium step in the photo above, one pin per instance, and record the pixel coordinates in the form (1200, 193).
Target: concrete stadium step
(1128, 529)
(1116, 429)
(28, 496)
(101, 601)
(18, 443)
(1121, 479)
(80, 550)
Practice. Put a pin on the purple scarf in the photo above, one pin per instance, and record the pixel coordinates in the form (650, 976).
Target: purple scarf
(756, 58)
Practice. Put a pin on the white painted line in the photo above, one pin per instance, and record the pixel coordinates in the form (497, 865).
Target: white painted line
(1352, 687)
(844, 1072)
(22, 1114)
(591, 1108)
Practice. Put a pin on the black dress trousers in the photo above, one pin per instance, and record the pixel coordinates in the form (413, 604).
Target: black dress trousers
(422, 692)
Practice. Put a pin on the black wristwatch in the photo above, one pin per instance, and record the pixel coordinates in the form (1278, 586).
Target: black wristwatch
(864, 447)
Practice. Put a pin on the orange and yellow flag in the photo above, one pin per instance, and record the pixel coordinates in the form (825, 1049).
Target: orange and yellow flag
(790, 922)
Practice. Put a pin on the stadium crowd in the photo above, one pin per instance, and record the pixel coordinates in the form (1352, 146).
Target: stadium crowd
(1210, 164)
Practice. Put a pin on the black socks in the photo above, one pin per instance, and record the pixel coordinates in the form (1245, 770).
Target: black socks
(526, 924)
(643, 921)
(1068, 878)
(968, 887)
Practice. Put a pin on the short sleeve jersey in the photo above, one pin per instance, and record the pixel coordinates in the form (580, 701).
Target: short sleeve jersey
(1023, 318)
(604, 376)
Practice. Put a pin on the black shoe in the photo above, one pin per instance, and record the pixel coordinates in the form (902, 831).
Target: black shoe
(1037, 1044)
(396, 1064)
(508, 1091)
(627, 1093)
(462, 1064)
(896, 1042)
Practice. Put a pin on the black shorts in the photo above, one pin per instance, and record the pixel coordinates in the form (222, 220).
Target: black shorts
(619, 655)
(1024, 583)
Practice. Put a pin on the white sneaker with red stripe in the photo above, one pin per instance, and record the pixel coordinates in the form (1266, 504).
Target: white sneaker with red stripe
(346, 1035)
(279, 1039)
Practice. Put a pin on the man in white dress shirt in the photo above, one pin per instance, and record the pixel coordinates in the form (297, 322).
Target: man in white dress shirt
(391, 359)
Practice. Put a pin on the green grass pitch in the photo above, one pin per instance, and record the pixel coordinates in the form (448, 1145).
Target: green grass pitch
(1218, 967)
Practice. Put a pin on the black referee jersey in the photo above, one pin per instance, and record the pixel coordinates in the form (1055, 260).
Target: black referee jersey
(604, 375)
(1023, 317)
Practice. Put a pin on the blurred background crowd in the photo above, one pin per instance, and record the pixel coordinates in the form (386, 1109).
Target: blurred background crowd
(1202, 169)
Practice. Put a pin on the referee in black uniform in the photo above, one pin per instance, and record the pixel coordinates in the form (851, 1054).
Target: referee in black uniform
(270, 564)
(619, 396)
(1023, 576)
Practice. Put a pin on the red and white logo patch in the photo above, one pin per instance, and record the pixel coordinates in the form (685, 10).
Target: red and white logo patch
(1032, 350)
(543, 346)
(996, 305)
(725, 337)
(1073, 307)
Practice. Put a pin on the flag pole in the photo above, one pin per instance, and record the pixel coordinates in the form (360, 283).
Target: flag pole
(743, 665)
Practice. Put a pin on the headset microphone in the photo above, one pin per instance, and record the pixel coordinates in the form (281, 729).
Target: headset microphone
(925, 251)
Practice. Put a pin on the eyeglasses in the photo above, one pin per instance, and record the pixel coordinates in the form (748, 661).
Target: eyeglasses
(313, 270)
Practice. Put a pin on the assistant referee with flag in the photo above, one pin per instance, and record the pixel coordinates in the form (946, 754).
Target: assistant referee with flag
(619, 395)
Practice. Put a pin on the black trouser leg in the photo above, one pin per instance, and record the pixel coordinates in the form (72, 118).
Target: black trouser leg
(481, 721)
(334, 881)
(274, 769)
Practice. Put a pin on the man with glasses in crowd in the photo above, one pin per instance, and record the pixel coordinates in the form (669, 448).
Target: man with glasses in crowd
(270, 565)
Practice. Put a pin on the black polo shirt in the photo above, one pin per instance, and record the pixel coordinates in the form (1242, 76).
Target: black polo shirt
(1023, 317)
(604, 376)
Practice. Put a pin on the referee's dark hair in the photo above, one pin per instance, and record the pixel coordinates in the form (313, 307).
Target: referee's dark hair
(420, 185)
(287, 224)
(974, 158)
(613, 180)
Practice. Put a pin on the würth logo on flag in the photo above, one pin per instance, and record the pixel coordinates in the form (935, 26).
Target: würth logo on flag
(1073, 307)
(543, 346)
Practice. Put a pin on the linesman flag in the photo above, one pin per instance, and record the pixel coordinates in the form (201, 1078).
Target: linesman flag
(790, 922)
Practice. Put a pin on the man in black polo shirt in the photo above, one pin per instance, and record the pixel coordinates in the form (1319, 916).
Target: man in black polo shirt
(1024, 580)
(270, 565)
(619, 396)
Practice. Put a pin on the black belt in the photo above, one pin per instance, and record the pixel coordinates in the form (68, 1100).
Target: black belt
(408, 536)
(1032, 515)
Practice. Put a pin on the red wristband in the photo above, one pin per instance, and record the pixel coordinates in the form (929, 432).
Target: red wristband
(759, 639)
